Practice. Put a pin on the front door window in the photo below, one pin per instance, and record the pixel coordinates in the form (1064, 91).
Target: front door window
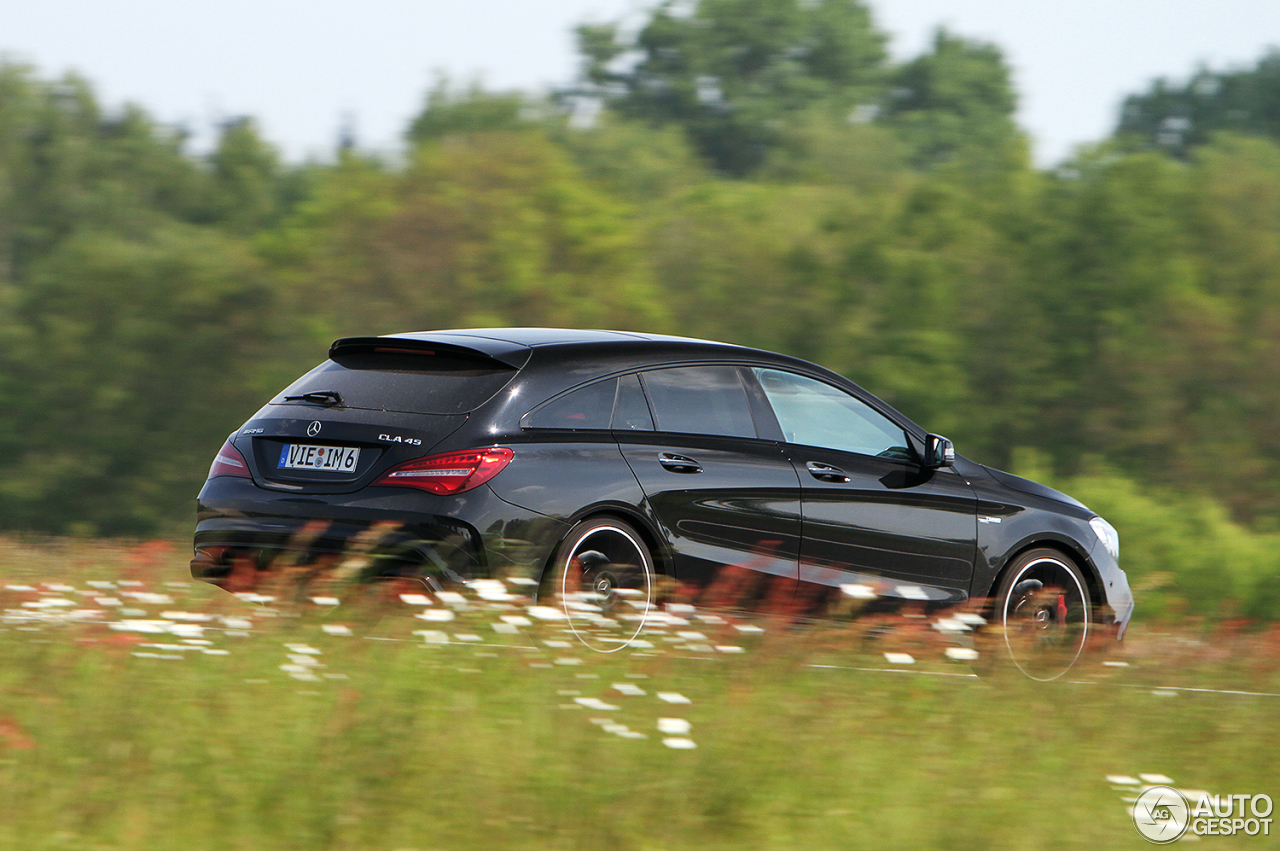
(812, 413)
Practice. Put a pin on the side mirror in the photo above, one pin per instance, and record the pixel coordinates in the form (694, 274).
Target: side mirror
(938, 452)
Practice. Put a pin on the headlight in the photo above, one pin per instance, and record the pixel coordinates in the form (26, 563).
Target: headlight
(1108, 535)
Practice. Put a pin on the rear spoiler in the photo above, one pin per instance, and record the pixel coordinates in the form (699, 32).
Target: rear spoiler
(501, 355)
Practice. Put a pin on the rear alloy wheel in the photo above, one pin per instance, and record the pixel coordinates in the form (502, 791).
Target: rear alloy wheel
(1043, 613)
(602, 579)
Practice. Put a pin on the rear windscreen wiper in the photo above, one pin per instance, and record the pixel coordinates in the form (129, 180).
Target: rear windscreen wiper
(328, 398)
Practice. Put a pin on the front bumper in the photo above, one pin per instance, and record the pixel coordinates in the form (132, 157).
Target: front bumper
(1118, 602)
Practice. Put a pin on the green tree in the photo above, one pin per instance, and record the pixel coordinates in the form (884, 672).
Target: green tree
(130, 330)
(747, 263)
(65, 164)
(733, 72)
(472, 109)
(925, 270)
(249, 189)
(493, 228)
(1176, 118)
(822, 150)
(633, 160)
(1104, 255)
(957, 101)
(125, 367)
(1229, 362)
(1136, 321)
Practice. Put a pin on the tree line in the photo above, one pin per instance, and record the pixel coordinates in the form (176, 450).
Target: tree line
(755, 171)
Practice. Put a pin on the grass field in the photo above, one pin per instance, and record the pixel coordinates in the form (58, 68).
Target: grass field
(140, 711)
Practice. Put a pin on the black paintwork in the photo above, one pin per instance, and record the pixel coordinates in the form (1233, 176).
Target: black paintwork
(919, 533)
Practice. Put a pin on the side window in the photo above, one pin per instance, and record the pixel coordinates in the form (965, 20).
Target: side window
(813, 413)
(700, 400)
(632, 411)
(586, 408)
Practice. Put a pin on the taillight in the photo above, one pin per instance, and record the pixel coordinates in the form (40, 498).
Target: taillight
(229, 462)
(453, 472)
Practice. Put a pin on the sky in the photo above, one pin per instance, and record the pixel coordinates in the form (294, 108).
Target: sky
(307, 68)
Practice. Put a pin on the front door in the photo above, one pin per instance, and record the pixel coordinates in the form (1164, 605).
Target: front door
(871, 514)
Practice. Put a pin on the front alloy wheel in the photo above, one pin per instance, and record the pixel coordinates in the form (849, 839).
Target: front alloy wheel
(1043, 612)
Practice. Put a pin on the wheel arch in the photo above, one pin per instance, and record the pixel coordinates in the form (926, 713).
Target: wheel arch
(662, 560)
(1068, 549)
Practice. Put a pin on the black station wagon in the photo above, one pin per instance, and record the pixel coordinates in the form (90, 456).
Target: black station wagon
(588, 465)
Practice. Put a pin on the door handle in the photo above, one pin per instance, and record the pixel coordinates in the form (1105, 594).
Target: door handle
(826, 473)
(678, 463)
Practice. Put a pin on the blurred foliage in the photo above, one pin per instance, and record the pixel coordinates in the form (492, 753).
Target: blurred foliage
(133, 319)
(123, 349)
(732, 73)
(1179, 118)
(755, 171)
(497, 228)
(957, 101)
(450, 111)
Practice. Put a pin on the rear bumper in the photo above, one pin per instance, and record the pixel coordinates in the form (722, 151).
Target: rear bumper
(247, 537)
(240, 553)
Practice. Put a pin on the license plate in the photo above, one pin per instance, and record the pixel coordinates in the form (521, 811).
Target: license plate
(302, 456)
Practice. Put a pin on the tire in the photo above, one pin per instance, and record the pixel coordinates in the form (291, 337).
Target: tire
(601, 577)
(1043, 613)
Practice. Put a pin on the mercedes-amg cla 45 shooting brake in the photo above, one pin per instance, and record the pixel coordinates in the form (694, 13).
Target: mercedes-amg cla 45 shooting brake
(589, 465)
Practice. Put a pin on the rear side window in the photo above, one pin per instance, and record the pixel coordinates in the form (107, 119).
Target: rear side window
(589, 407)
(700, 400)
(419, 383)
(632, 411)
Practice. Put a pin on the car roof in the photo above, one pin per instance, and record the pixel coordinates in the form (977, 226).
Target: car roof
(615, 351)
(558, 346)
(514, 345)
(533, 337)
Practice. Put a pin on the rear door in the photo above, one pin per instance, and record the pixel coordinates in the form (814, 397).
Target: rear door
(723, 495)
(872, 514)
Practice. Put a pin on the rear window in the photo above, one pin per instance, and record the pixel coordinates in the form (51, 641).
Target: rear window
(418, 383)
